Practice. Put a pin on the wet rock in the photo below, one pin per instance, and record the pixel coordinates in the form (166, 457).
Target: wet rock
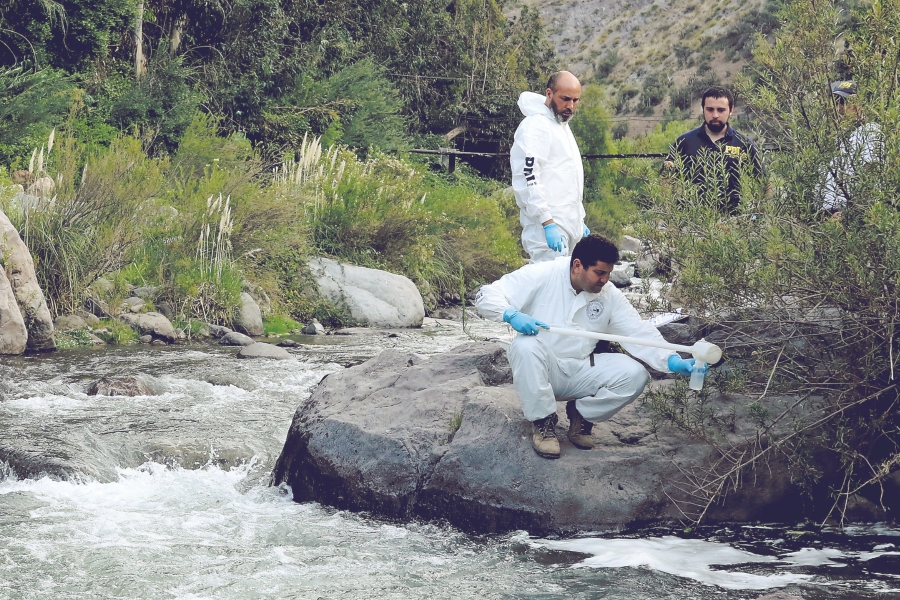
(145, 339)
(69, 323)
(151, 323)
(158, 343)
(218, 331)
(33, 464)
(233, 338)
(444, 438)
(235, 379)
(372, 297)
(264, 350)
(21, 277)
(120, 386)
(289, 343)
(249, 317)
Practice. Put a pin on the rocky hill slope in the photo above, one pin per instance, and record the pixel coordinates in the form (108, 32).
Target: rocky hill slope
(653, 53)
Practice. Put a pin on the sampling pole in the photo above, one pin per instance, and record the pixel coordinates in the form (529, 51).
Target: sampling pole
(703, 351)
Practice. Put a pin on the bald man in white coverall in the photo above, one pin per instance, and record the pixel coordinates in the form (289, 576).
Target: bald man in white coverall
(547, 174)
(547, 367)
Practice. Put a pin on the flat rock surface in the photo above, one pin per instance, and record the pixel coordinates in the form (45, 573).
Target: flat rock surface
(264, 350)
(445, 438)
(234, 338)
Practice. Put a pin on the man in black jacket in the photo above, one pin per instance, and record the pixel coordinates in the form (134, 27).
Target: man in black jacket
(716, 151)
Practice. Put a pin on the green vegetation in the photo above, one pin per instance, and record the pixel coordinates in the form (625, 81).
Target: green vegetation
(112, 331)
(807, 301)
(77, 338)
(219, 147)
(277, 324)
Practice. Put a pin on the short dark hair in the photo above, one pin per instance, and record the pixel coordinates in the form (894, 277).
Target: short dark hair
(718, 92)
(593, 248)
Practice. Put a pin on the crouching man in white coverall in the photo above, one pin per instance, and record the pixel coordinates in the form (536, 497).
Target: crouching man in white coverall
(572, 293)
(547, 174)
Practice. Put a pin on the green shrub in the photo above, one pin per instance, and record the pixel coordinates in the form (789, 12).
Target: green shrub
(279, 324)
(807, 302)
(94, 221)
(113, 331)
(160, 104)
(76, 338)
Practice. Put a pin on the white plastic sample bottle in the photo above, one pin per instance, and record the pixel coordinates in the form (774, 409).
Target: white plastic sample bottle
(697, 375)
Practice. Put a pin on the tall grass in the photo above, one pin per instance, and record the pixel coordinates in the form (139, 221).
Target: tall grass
(87, 227)
(388, 213)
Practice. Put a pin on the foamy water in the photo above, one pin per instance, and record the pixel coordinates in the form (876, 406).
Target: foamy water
(175, 503)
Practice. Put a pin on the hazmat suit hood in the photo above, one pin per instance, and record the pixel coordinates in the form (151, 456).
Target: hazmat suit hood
(547, 178)
(533, 104)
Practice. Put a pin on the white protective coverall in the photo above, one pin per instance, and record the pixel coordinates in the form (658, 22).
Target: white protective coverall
(549, 367)
(547, 178)
(864, 146)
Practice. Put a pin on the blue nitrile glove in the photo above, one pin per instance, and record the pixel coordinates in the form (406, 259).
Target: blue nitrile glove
(523, 323)
(554, 237)
(682, 366)
(587, 232)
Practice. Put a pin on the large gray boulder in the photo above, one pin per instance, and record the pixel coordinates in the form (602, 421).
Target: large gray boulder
(445, 438)
(151, 323)
(249, 317)
(13, 334)
(19, 269)
(372, 297)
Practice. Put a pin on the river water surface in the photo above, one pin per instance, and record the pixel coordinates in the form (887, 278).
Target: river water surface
(170, 499)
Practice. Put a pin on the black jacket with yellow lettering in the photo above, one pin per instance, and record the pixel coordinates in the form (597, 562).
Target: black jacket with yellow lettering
(704, 159)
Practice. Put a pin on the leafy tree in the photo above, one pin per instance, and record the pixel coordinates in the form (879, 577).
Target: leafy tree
(31, 104)
(160, 104)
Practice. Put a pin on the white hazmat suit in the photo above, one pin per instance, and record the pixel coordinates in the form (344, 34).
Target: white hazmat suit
(547, 178)
(550, 367)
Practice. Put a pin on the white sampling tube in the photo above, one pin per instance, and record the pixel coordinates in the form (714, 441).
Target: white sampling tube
(702, 351)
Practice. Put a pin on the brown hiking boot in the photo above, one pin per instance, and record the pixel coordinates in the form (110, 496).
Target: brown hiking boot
(579, 428)
(543, 437)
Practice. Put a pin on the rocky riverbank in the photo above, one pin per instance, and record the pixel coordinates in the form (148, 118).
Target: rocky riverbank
(444, 438)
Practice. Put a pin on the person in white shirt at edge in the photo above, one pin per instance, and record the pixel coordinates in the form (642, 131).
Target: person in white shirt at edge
(547, 174)
(572, 292)
(862, 148)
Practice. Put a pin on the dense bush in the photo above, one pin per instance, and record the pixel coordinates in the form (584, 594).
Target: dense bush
(807, 302)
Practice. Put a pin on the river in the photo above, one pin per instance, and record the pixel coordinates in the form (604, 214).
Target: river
(171, 499)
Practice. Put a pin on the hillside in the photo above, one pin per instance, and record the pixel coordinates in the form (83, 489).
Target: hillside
(653, 54)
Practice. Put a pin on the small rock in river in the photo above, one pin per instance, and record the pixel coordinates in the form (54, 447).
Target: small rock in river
(120, 386)
(264, 350)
